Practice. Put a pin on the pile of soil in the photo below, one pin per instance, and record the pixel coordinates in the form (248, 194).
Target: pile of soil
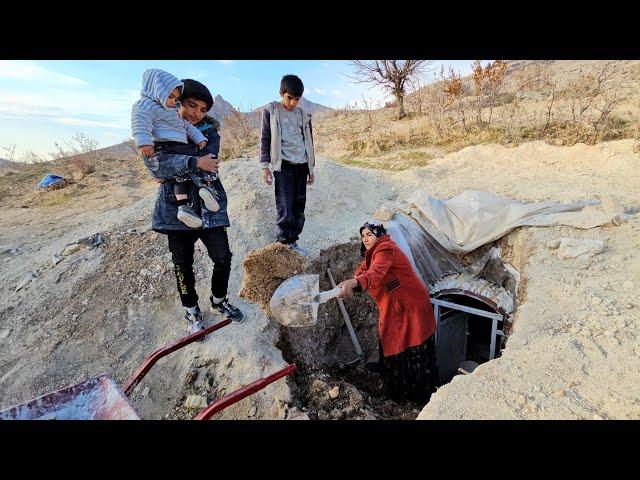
(266, 268)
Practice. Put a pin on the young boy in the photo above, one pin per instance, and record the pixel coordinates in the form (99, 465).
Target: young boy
(158, 129)
(286, 146)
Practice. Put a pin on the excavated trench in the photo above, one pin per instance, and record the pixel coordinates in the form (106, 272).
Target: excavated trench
(328, 386)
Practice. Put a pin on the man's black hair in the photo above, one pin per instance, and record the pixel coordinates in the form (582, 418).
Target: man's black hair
(292, 85)
(196, 90)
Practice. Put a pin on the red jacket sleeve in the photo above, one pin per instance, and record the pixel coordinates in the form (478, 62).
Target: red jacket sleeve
(361, 268)
(380, 264)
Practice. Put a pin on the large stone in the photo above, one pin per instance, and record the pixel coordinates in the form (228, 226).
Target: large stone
(195, 402)
(580, 249)
(334, 392)
(26, 279)
(71, 249)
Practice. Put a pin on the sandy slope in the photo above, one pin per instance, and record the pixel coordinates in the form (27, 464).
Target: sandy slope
(570, 356)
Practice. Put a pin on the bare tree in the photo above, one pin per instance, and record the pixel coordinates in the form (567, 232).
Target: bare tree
(393, 75)
(11, 152)
(488, 82)
(593, 97)
(456, 92)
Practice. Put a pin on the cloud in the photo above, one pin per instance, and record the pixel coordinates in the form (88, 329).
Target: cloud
(336, 93)
(31, 71)
(89, 123)
(320, 91)
(102, 108)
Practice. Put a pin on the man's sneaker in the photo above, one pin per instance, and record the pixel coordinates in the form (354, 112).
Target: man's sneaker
(299, 250)
(195, 322)
(228, 310)
(209, 200)
(187, 216)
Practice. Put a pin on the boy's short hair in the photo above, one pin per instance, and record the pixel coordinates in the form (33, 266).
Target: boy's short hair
(292, 85)
(196, 90)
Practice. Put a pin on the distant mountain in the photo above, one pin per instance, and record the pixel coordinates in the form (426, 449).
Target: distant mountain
(313, 108)
(254, 118)
(221, 108)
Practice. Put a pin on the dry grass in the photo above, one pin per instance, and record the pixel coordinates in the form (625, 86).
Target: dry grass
(237, 136)
(563, 103)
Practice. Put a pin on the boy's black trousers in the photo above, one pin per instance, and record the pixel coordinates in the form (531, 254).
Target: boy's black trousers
(291, 197)
(181, 245)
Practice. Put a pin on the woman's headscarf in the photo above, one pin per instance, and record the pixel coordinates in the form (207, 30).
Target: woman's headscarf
(374, 227)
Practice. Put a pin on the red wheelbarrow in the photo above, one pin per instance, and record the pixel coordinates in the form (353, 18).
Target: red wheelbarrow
(100, 398)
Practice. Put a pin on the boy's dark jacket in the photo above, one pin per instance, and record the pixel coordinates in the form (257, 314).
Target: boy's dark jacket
(167, 166)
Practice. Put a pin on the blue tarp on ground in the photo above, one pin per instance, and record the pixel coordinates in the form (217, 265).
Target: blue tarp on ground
(50, 181)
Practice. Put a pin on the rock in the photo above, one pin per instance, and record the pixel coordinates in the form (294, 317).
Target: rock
(299, 416)
(628, 306)
(334, 392)
(627, 286)
(597, 417)
(348, 412)
(97, 240)
(337, 414)
(596, 300)
(580, 249)
(521, 399)
(71, 249)
(195, 402)
(368, 415)
(559, 393)
(323, 415)
(4, 334)
(253, 411)
(56, 259)
(553, 244)
(145, 392)
(25, 280)
(383, 213)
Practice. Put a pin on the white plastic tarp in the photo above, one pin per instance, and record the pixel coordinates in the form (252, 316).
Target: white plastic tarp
(476, 217)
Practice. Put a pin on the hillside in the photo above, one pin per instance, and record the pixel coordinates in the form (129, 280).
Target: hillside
(104, 309)
(560, 102)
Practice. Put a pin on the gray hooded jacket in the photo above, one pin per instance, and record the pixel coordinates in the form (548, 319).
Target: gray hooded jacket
(271, 136)
(152, 121)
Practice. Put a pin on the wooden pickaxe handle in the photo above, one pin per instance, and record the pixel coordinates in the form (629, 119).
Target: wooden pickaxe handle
(345, 315)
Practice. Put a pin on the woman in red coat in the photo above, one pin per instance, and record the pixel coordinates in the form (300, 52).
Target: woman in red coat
(407, 324)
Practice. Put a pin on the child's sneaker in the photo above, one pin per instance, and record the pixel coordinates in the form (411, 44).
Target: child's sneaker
(209, 200)
(187, 216)
(228, 310)
(195, 322)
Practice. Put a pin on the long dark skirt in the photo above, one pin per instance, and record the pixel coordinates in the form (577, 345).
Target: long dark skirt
(411, 375)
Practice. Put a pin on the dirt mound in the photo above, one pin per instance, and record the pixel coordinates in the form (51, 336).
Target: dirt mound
(265, 269)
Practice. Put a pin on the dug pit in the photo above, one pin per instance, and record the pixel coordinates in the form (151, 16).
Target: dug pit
(326, 386)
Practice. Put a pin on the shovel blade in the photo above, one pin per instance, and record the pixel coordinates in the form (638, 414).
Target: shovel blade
(294, 303)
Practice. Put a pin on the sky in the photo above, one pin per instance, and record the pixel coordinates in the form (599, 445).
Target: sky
(42, 102)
